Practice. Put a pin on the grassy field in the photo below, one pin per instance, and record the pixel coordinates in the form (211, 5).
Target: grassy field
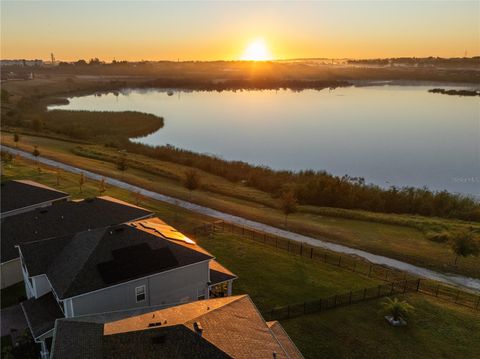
(435, 330)
(375, 233)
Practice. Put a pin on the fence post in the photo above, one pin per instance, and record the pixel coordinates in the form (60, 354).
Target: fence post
(391, 290)
(418, 285)
(264, 238)
(370, 270)
(301, 249)
(288, 246)
(339, 261)
(364, 293)
(378, 293)
(243, 231)
(386, 275)
(456, 298)
(335, 301)
(354, 266)
(405, 286)
(311, 253)
(478, 303)
(325, 257)
(436, 292)
(276, 242)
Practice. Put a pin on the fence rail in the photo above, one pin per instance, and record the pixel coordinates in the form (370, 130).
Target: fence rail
(347, 262)
(340, 300)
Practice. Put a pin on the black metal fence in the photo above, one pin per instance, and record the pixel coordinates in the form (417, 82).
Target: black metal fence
(347, 262)
(340, 300)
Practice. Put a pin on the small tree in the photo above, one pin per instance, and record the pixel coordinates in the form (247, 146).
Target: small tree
(81, 181)
(397, 308)
(36, 124)
(288, 204)
(36, 153)
(464, 244)
(138, 197)
(192, 181)
(102, 186)
(58, 174)
(16, 138)
(122, 162)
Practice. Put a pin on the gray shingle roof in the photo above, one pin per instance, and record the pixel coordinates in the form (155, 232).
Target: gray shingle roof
(62, 219)
(73, 264)
(21, 194)
(41, 313)
(232, 328)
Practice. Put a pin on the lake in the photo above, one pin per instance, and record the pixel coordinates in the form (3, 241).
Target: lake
(390, 135)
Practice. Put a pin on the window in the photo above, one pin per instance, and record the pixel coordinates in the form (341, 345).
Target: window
(140, 293)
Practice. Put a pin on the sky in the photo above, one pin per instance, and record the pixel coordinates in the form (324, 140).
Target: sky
(220, 30)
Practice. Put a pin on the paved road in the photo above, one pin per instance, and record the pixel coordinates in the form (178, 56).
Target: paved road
(467, 282)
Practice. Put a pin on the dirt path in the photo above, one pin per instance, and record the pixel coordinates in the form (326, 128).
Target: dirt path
(459, 280)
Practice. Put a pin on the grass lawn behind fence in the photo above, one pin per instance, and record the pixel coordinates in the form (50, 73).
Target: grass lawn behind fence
(436, 329)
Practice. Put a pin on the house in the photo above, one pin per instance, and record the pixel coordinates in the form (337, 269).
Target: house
(61, 219)
(23, 196)
(111, 269)
(229, 327)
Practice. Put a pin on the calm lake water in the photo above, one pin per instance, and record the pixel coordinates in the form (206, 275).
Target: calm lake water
(390, 135)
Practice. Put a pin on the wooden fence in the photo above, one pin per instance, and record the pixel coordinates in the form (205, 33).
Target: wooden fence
(347, 262)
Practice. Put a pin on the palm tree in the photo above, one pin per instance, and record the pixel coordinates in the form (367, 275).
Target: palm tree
(397, 308)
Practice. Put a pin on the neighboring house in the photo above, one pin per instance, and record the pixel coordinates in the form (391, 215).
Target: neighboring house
(110, 269)
(23, 196)
(58, 220)
(230, 327)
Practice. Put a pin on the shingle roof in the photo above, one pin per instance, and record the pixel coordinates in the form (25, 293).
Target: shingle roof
(76, 264)
(232, 328)
(284, 340)
(219, 273)
(21, 194)
(41, 313)
(62, 219)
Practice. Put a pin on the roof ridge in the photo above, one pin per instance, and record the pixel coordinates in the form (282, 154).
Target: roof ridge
(241, 296)
(91, 250)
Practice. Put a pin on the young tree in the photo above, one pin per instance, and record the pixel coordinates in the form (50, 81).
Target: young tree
(58, 174)
(464, 244)
(102, 186)
(16, 138)
(122, 161)
(36, 153)
(192, 180)
(138, 197)
(397, 308)
(288, 204)
(81, 181)
(36, 124)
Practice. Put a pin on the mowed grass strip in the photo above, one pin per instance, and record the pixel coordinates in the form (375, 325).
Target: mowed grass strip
(436, 329)
(396, 241)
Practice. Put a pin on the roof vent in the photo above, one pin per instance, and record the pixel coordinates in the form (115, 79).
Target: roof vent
(198, 328)
(158, 339)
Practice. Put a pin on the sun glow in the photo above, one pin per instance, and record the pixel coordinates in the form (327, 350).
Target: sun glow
(256, 51)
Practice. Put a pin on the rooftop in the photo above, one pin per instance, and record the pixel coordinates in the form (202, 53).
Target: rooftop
(62, 219)
(231, 327)
(20, 194)
(92, 260)
(41, 313)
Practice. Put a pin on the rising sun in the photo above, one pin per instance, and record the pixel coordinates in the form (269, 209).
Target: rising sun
(256, 51)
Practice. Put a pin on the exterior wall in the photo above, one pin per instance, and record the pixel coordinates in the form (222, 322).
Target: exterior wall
(11, 272)
(172, 287)
(41, 285)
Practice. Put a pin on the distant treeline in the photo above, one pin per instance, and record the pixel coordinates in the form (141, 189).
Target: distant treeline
(456, 92)
(320, 188)
(99, 124)
(245, 84)
(421, 61)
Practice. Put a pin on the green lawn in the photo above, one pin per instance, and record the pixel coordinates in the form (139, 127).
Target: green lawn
(435, 330)
(275, 277)
(376, 233)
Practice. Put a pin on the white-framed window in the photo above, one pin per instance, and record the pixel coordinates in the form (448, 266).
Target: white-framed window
(140, 293)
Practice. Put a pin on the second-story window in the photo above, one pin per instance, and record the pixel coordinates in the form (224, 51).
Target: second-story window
(140, 293)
